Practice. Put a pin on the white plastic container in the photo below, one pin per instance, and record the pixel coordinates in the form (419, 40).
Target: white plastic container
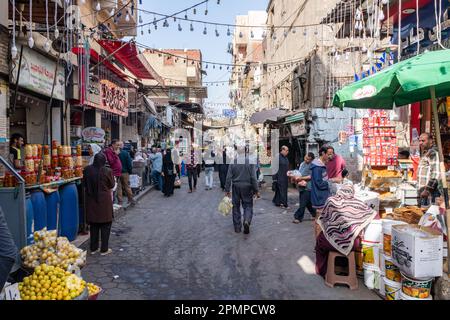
(387, 235)
(373, 232)
(392, 289)
(371, 276)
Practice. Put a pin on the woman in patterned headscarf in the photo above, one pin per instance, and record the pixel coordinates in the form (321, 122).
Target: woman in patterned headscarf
(341, 222)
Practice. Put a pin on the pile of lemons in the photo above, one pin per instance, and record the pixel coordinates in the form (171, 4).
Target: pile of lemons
(51, 283)
(93, 289)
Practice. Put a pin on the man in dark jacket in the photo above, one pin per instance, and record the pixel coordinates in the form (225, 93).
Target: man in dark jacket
(281, 180)
(320, 189)
(123, 184)
(242, 179)
(8, 250)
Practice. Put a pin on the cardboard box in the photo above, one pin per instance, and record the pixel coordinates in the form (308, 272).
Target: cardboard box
(417, 251)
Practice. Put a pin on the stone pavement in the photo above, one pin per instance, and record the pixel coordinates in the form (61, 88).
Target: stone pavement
(183, 248)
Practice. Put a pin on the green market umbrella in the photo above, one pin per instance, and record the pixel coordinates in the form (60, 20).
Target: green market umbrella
(403, 83)
(423, 77)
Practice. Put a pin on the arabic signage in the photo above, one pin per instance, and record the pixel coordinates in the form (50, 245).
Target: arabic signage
(298, 129)
(427, 33)
(365, 92)
(94, 135)
(114, 99)
(229, 113)
(37, 74)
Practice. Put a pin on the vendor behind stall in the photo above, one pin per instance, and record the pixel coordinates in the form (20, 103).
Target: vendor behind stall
(428, 172)
(15, 151)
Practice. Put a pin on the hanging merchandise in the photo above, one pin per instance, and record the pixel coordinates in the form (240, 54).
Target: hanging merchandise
(30, 29)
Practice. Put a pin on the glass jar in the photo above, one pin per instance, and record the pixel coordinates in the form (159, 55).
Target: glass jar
(39, 151)
(79, 151)
(60, 151)
(35, 150)
(79, 172)
(28, 151)
(29, 165)
(46, 150)
(79, 161)
(47, 160)
(55, 162)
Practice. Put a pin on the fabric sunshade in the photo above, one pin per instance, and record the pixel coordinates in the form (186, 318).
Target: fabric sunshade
(263, 116)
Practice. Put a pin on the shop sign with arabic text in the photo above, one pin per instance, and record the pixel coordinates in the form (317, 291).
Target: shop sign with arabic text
(114, 99)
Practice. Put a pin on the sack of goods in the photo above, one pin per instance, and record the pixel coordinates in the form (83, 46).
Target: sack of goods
(225, 206)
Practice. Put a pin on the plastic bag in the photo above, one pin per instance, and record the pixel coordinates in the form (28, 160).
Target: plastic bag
(225, 206)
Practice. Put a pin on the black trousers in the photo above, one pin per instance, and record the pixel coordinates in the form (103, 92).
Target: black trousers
(169, 181)
(223, 170)
(192, 175)
(178, 170)
(305, 202)
(242, 195)
(105, 230)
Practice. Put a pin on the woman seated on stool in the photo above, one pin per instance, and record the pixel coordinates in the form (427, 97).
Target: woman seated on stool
(341, 222)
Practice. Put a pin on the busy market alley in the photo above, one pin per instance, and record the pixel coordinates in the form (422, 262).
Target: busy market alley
(183, 248)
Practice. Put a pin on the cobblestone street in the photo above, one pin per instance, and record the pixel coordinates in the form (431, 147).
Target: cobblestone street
(183, 248)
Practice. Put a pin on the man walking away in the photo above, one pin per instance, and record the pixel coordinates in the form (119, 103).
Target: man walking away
(124, 180)
(176, 157)
(192, 170)
(223, 169)
(157, 162)
(209, 170)
(428, 171)
(8, 250)
(281, 180)
(242, 179)
(304, 183)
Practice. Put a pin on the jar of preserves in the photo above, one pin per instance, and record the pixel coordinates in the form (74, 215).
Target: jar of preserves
(60, 151)
(39, 151)
(55, 162)
(28, 151)
(70, 162)
(79, 151)
(29, 165)
(32, 177)
(46, 150)
(54, 144)
(35, 151)
(37, 163)
(47, 160)
(79, 172)
(79, 161)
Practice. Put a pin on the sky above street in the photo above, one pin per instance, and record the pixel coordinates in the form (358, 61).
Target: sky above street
(213, 48)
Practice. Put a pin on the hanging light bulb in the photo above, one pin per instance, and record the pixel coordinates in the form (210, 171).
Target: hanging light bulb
(31, 42)
(98, 7)
(228, 32)
(56, 33)
(337, 56)
(149, 30)
(285, 34)
(179, 27)
(205, 31)
(217, 32)
(127, 17)
(195, 10)
(305, 33)
(252, 35)
(364, 48)
(333, 50)
(192, 27)
(347, 55)
(218, 1)
(240, 34)
(294, 30)
(142, 32)
(381, 15)
(140, 19)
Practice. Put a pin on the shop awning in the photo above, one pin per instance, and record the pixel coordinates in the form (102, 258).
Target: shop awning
(266, 115)
(128, 54)
(95, 57)
(294, 118)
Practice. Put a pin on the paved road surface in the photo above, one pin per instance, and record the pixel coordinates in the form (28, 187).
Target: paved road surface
(182, 248)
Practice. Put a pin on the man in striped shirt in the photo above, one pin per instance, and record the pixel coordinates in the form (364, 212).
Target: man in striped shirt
(428, 173)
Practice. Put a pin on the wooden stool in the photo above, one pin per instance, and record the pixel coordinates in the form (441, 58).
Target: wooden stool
(332, 278)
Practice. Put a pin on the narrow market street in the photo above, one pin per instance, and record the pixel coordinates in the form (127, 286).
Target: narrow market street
(183, 248)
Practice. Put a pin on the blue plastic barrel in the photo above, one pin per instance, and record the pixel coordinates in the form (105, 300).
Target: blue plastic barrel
(39, 209)
(68, 211)
(30, 219)
(53, 202)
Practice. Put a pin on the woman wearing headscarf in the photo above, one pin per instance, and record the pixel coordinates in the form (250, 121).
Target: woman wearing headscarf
(98, 182)
(169, 173)
(341, 222)
(93, 150)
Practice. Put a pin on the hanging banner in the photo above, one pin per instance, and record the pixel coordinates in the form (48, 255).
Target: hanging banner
(37, 74)
(114, 99)
(93, 135)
